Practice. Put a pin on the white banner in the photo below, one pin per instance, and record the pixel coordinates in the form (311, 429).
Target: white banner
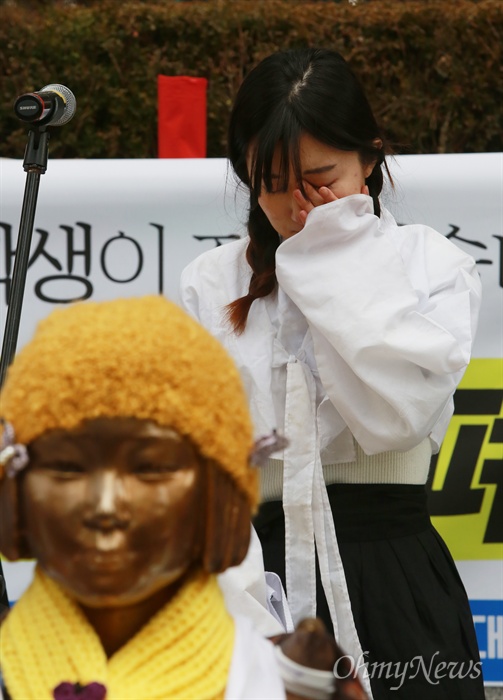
(109, 228)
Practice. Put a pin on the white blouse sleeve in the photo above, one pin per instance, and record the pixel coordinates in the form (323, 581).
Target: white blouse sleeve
(392, 311)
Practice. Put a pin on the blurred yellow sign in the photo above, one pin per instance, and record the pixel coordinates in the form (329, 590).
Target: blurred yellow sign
(466, 498)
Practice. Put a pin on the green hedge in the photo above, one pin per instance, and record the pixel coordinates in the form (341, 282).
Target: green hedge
(432, 68)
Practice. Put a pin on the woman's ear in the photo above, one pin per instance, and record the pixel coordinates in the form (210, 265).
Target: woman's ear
(228, 519)
(368, 170)
(369, 167)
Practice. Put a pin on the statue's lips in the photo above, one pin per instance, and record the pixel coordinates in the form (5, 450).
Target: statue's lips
(106, 561)
(104, 541)
(106, 550)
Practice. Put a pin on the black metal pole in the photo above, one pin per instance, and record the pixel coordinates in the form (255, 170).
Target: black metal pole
(19, 271)
(35, 165)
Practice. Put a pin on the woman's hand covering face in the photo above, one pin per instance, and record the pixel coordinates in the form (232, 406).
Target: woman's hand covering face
(315, 198)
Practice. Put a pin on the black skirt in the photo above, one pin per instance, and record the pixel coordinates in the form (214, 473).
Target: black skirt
(409, 604)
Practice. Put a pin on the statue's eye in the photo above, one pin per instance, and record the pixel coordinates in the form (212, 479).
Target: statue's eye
(64, 467)
(151, 468)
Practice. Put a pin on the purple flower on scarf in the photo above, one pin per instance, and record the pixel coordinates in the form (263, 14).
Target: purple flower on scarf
(75, 691)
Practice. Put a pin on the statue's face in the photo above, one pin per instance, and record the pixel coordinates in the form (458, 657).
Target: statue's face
(113, 509)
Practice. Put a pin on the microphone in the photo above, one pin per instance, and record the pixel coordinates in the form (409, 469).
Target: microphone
(53, 105)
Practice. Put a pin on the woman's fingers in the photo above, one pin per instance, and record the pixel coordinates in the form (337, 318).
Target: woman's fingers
(319, 195)
(302, 201)
(313, 194)
(302, 217)
(327, 195)
(315, 198)
(305, 206)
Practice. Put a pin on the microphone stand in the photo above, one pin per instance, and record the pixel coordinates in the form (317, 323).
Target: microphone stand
(35, 165)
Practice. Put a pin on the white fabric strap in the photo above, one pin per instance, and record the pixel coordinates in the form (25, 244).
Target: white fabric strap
(298, 492)
(333, 578)
(308, 514)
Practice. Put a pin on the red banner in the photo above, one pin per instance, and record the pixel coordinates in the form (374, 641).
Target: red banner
(181, 116)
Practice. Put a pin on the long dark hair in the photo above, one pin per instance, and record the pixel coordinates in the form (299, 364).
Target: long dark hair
(290, 93)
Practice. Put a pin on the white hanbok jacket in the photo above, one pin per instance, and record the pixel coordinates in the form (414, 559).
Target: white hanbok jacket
(355, 359)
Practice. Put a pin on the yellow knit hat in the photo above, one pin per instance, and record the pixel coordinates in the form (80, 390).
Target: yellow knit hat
(142, 358)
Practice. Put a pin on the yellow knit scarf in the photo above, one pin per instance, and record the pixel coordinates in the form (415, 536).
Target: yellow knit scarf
(184, 651)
